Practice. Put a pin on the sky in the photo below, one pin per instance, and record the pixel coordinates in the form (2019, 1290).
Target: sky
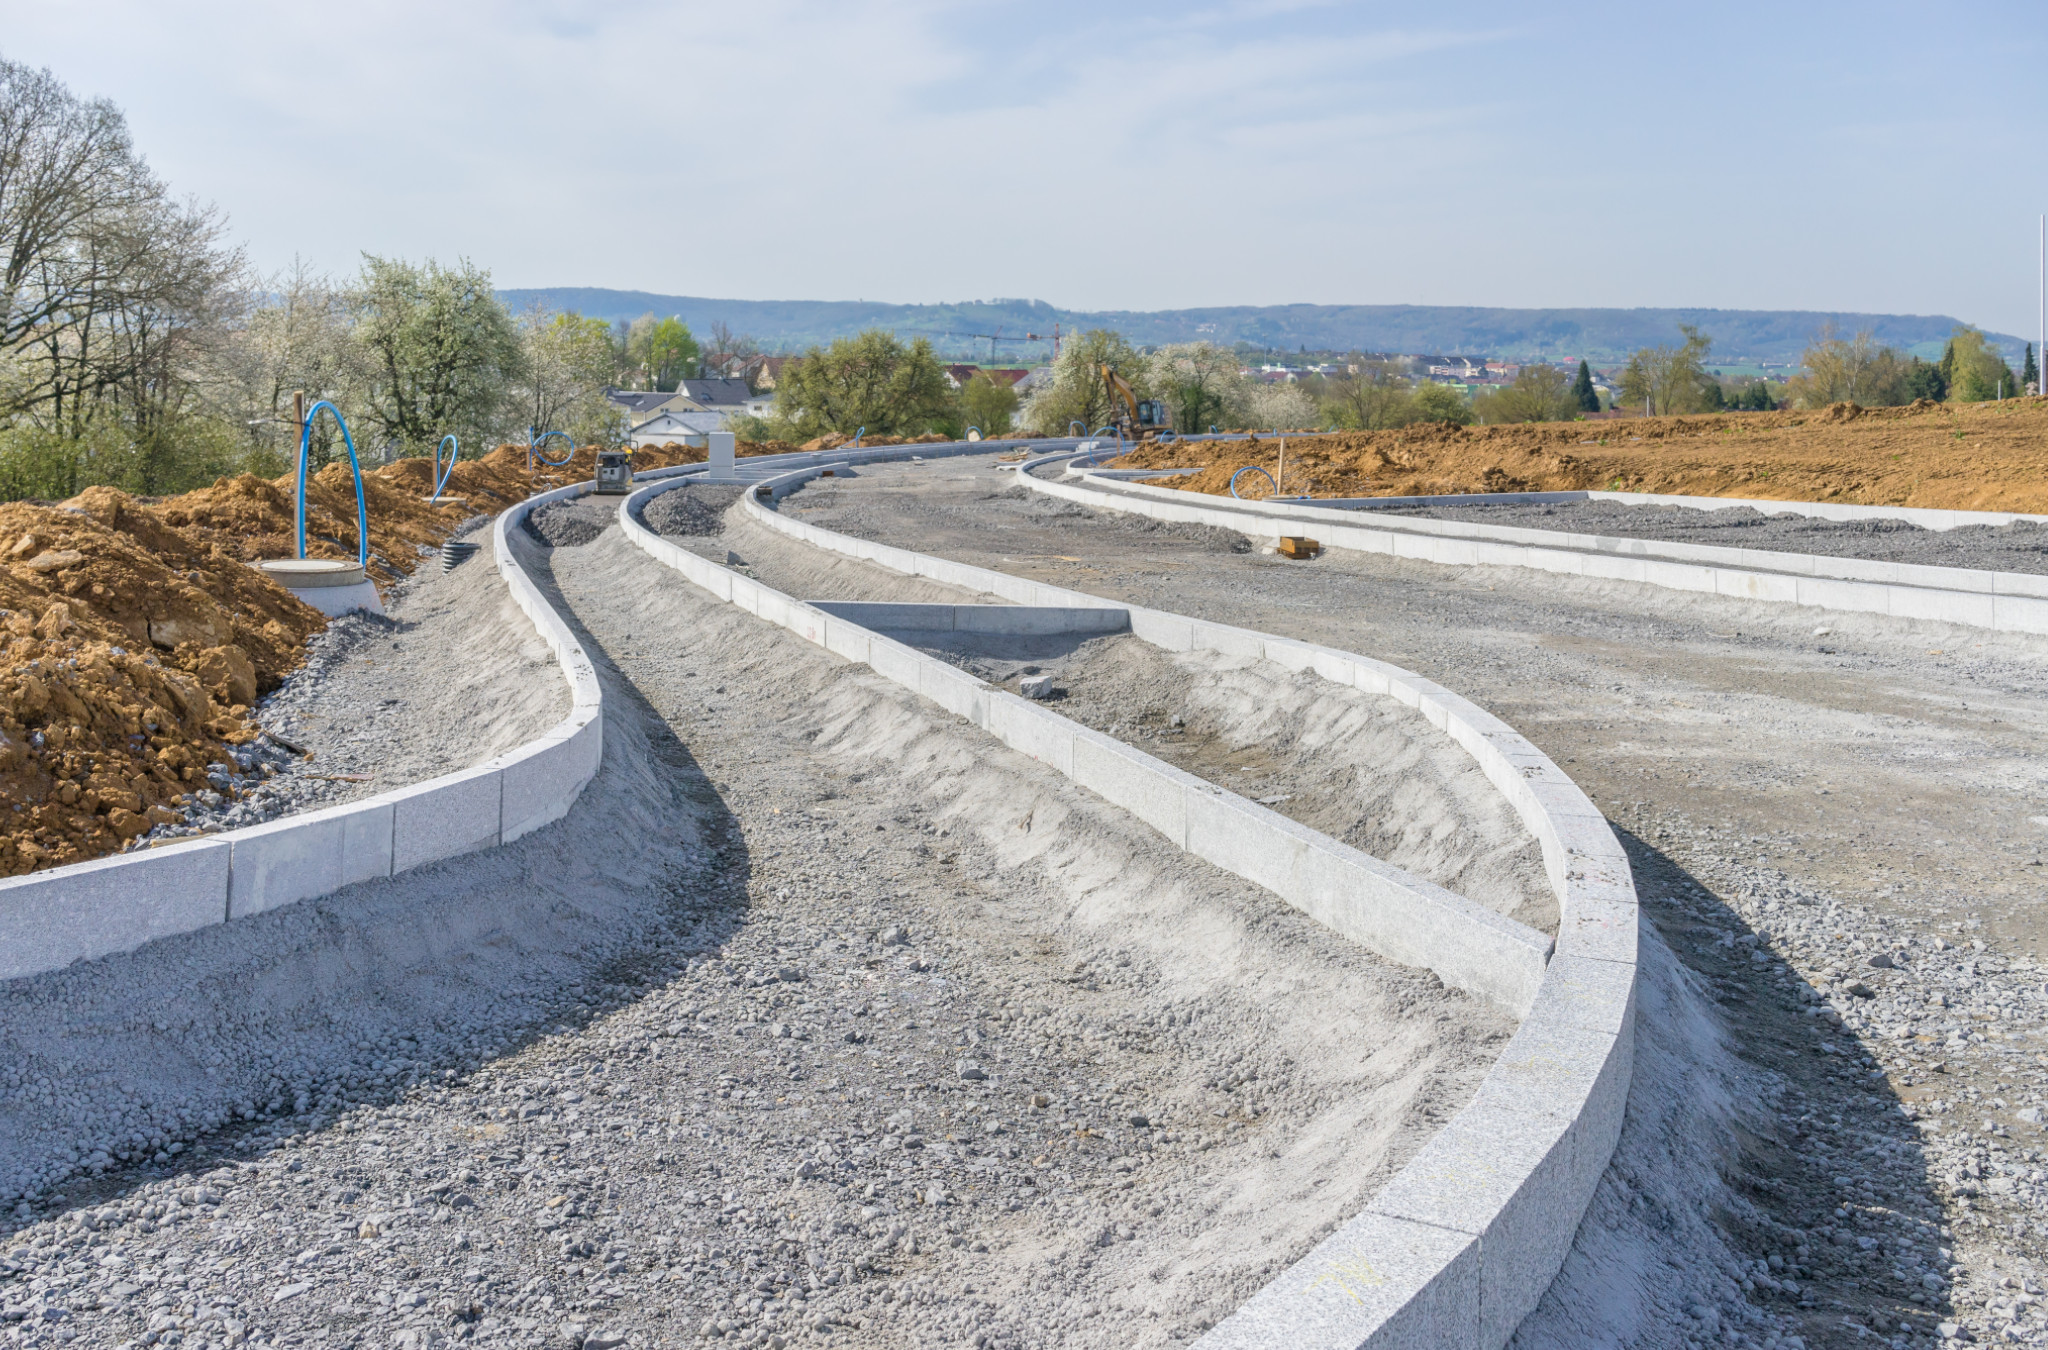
(1870, 157)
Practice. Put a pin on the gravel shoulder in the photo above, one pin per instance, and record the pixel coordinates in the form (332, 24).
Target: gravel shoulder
(2021, 546)
(821, 1017)
(1800, 794)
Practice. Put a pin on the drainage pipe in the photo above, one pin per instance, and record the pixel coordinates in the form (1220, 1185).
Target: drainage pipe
(362, 511)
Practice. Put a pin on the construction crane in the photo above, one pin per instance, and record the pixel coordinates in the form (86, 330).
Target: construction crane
(1140, 417)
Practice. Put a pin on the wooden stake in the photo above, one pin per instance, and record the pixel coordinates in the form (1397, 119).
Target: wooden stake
(1280, 479)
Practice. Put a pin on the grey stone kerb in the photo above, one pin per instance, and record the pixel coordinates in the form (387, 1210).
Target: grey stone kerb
(1461, 1244)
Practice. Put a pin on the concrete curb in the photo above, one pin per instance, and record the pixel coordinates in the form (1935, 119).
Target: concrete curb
(2014, 602)
(50, 919)
(1463, 1242)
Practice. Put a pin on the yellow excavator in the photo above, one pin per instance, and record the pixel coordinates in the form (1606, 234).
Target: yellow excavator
(1138, 417)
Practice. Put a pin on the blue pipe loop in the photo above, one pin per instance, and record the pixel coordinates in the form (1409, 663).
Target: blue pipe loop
(1077, 428)
(1271, 486)
(362, 511)
(441, 474)
(856, 437)
(534, 451)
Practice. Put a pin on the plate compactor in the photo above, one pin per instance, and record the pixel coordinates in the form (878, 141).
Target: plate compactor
(614, 472)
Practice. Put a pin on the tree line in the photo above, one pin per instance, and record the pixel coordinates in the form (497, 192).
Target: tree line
(139, 348)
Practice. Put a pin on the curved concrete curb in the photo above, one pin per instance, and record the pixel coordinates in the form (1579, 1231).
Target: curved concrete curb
(50, 919)
(1461, 1244)
(2014, 602)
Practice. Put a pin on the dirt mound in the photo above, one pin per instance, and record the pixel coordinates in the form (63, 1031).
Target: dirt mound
(1980, 457)
(136, 638)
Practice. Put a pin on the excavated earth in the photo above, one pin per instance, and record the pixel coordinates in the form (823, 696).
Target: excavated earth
(2021, 546)
(1981, 457)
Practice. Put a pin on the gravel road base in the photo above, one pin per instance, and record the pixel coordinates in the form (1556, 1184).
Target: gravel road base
(821, 1019)
(2019, 547)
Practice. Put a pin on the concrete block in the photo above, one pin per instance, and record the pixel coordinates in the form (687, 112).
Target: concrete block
(2019, 614)
(1247, 840)
(1377, 1283)
(1602, 929)
(444, 817)
(1778, 588)
(1417, 923)
(1030, 619)
(1226, 640)
(1507, 1179)
(1031, 730)
(1168, 631)
(1592, 995)
(890, 618)
(892, 660)
(1576, 1075)
(1575, 845)
(954, 690)
(1911, 602)
(847, 638)
(308, 855)
(1927, 577)
(50, 919)
(1855, 596)
(1128, 778)
(1332, 665)
(540, 784)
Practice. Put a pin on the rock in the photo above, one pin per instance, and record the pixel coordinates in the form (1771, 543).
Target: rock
(971, 1071)
(895, 935)
(55, 560)
(1036, 686)
(1882, 961)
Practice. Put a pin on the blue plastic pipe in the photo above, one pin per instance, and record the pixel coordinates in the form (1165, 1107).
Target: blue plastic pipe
(362, 511)
(441, 474)
(533, 449)
(1272, 487)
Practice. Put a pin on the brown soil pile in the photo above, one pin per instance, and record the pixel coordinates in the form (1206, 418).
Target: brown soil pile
(1980, 457)
(136, 637)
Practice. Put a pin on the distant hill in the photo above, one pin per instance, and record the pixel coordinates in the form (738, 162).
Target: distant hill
(1741, 336)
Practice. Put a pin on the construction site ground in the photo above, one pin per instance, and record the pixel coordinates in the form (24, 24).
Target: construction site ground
(821, 1019)
(2021, 546)
(1978, 457)
(1796, 806)
(824, 1018)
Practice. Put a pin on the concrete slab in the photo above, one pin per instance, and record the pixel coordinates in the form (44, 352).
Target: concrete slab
(1377, 1283)
(1505, 1177)
(50, 919)
(1128, 778)
(308, 855)
(444, 817)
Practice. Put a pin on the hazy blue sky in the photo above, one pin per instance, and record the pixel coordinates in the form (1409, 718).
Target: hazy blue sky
(1865, 156)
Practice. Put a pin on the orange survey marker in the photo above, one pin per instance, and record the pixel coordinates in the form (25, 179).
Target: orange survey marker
(1294, 546)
